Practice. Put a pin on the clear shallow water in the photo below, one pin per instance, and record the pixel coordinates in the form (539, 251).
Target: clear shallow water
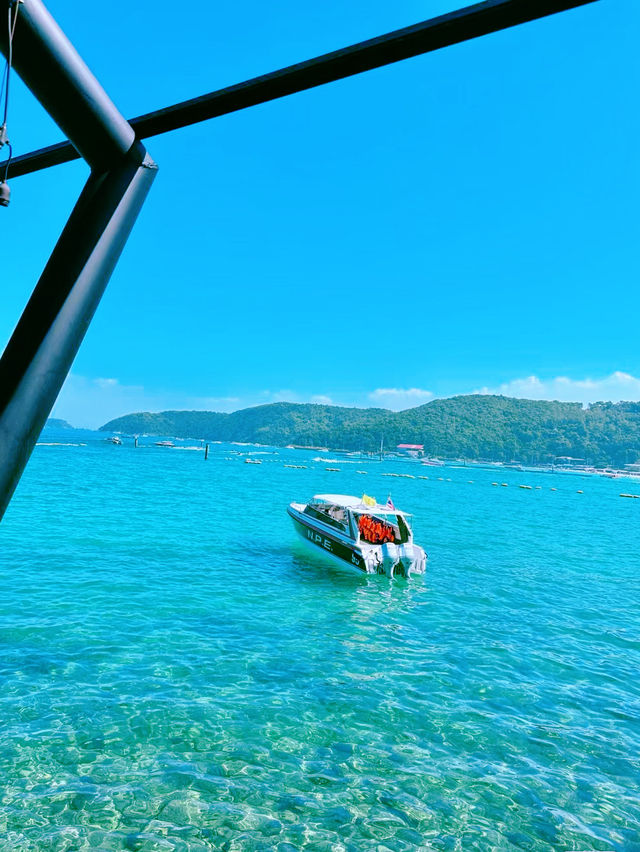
(176, 674)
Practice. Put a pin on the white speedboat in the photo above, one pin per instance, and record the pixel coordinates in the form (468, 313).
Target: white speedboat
(114, 440)
(360, 533)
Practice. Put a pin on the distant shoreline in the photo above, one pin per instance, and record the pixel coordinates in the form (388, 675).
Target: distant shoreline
(426, 462)
(538, 433)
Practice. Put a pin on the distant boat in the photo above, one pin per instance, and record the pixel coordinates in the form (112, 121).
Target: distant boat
(252, 461)
(164, 444)
(371, 539)
(114, 440)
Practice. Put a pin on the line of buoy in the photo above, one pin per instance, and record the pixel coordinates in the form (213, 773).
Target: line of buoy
(401, 475)
(410, 476)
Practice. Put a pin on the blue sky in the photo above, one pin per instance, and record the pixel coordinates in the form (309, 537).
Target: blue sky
(463, 221)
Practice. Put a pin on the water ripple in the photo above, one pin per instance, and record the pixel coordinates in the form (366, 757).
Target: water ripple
(176, 674)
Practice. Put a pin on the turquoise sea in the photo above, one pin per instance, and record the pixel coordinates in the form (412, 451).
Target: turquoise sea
(177, 674)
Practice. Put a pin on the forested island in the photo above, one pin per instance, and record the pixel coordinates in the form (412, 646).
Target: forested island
(57, 423)
(495, 428)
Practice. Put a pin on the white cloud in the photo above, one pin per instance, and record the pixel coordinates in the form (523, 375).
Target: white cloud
(91, 402)
(614, 388)
(106, 383)
(283, 396)
(400, 398)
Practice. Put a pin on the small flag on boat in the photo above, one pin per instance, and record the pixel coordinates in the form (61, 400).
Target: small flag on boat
(390, 504)
(368, 501)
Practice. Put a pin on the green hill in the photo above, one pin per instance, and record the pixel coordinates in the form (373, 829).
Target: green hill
(474, 427)
(57, 423)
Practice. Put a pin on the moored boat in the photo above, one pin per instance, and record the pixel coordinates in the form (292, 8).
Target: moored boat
(359, 532)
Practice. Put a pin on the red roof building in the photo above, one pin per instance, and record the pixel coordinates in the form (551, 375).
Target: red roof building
(411, 449)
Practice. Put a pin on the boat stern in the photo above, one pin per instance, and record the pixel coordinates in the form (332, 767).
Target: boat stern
(402, 560)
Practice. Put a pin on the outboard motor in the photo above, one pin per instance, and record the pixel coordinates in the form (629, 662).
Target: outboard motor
(402, 560)
(391, 555)
(400, 569)
(405, 560)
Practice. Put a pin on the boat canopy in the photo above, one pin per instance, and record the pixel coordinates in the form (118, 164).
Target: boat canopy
(350, 502)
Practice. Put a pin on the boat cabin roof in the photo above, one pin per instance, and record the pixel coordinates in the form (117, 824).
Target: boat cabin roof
(350, 502)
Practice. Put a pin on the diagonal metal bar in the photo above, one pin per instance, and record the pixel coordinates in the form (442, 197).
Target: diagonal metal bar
(443, 31)
(41, 350)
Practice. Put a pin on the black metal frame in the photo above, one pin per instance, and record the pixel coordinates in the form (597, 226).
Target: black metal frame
(46, 340)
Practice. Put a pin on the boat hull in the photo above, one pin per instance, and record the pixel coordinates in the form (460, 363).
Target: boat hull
(322, 541)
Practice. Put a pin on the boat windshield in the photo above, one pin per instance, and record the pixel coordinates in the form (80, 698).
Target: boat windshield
(378, 529)
(335, 516)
